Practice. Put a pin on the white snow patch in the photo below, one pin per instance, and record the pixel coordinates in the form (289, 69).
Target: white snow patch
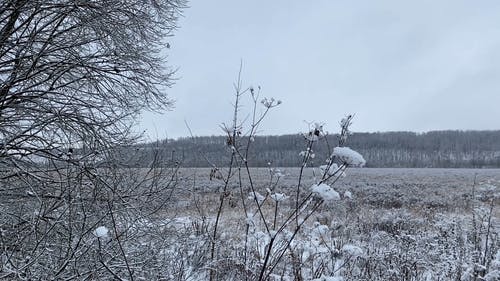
(325, 192)
(260, 198)
(352, 250)
(320, 232)
(349, 156)
(278, 197)
(487, 188)
(101, 232)
(348, 194)
(250, 220)
(277, 173)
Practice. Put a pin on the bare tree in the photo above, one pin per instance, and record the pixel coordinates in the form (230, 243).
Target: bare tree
(78, 72)
(73, 76)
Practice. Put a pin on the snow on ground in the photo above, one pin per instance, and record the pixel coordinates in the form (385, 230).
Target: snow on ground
(386, 220)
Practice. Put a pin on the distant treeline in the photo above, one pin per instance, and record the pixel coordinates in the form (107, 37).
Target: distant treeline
(444, 149)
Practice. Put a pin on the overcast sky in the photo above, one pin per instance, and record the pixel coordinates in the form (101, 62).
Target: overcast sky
(397, 65)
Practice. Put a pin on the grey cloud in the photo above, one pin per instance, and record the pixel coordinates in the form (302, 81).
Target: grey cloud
(398, 65)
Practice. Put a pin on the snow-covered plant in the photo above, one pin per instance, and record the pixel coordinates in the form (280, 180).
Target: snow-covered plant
(348, 156)
(325, 192)
(101, 232)
(485, 239)
(275, 222)
(96, 219)
(266, 224)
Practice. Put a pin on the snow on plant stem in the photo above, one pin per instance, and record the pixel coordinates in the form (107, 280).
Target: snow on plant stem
(101, 232)
(349, 156)
(278, 197)
(348, 194)
(352, 250)
(331, 171)
(325, 192)
(257, 196)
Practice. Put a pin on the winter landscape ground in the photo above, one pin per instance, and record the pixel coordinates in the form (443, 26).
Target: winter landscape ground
(389, 224)
(86, 195)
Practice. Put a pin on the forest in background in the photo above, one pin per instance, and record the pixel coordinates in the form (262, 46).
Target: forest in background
(435, 149)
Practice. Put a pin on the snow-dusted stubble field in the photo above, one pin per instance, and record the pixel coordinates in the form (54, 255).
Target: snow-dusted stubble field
(388, 224)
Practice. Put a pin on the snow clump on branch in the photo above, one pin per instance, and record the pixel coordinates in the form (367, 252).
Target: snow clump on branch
(352, 250)
(256, 196)
(278, 197)
(325, 192)
(349, 156)
(101, 232)
(269, 103)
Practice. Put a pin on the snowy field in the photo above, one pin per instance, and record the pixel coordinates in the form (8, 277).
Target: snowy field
(443, 190)
(389, 224)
